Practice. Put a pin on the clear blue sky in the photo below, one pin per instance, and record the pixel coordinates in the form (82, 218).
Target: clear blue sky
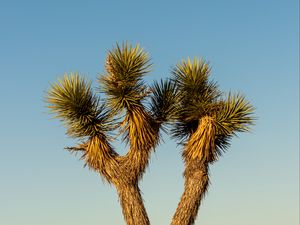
(252, 46)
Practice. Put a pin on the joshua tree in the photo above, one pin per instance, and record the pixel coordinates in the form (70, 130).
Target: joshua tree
(93, 121)
(206, 122)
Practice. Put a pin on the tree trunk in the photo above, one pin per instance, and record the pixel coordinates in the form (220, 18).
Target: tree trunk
(124, 172)
(195, 186)
(132, 204)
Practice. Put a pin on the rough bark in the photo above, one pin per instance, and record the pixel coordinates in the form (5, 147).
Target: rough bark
(199, 151)
(132, 204)
(124, 172)
(195, 186)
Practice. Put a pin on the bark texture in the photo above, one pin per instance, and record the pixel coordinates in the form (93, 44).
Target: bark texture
(124, 172)
(199, 151)
(132, 204)
(195, 186)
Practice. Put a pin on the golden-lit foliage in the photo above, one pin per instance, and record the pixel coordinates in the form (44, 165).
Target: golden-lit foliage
(190, 103)
(206, 123)
(139, 131)
(191, 74)
(73, 102)
(197, 96)
(201, 144)
(200, 97)
(123, 83)
(122, 110)
(234, 115)
(97, 154)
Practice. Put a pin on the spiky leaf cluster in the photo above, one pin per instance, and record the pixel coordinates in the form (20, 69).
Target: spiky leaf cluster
(235, 114)
(123, 84)
(74, 103)
(164, 101)
(200, 97)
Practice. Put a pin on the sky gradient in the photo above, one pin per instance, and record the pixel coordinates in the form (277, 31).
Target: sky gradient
(252, 47)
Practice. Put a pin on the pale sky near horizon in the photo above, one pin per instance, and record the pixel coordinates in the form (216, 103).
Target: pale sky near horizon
(252, 47)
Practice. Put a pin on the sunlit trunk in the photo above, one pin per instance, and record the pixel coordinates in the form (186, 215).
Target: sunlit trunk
(198, 153)
(132, 204)
(195, 186)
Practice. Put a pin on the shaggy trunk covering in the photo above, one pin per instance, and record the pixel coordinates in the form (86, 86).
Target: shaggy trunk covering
(195, 186)
(132, 204)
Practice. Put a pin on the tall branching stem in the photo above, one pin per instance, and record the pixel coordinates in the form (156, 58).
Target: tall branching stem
(132, 204)
(72, 100)
(195, 186)
(196, 172)
(205, 124)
